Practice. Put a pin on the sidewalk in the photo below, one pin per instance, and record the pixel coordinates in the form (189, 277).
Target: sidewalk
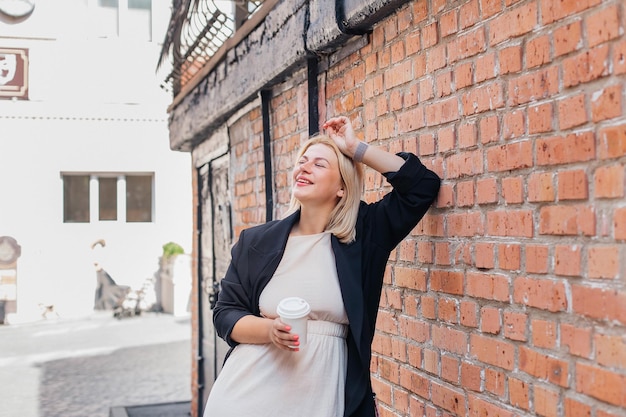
(175, 409)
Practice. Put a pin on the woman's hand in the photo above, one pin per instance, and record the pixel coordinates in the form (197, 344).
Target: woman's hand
(340, 130)
(281, 338)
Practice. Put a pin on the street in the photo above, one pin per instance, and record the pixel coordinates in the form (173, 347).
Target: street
(81, 367)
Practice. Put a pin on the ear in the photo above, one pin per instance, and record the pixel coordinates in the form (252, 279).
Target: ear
(340, 193)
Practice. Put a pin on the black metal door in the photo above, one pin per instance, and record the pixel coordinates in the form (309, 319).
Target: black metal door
(215, 239)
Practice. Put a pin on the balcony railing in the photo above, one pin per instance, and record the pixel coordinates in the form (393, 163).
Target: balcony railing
(196, 31)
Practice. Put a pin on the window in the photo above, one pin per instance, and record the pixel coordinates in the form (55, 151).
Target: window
(107, 197)
(131, 19)
(76, 199)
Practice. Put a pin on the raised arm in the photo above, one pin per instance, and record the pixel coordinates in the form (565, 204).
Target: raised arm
(340, 130)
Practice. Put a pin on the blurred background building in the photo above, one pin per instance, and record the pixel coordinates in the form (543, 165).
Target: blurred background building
(84, 152)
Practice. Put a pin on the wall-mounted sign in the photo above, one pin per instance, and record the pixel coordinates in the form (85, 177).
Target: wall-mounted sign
(14, 73)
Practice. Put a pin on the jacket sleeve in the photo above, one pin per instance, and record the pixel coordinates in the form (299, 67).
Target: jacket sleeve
(392, 218)
(234, 300)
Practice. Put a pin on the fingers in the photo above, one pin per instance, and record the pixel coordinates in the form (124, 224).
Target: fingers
(282, 338)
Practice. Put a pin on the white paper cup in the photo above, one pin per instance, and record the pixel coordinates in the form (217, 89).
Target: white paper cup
(294, 311)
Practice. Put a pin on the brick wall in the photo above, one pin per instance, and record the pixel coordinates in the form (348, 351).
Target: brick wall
(509, 297)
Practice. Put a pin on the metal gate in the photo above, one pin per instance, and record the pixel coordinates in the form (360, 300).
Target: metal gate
(215, 239)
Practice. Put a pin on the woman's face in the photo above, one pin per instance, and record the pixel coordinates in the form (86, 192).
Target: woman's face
(316, 177)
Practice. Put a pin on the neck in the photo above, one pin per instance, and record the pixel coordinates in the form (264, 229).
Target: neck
(312, 221)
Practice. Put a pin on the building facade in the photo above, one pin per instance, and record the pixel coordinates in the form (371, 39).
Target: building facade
(84, 153)
(509, 298)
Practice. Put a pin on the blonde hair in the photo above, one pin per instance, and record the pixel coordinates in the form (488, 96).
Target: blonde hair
(343, 217)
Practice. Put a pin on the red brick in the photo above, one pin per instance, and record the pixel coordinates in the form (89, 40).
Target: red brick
(606, 103)
(509, 157)
(540, 293)
(603, 261)
(492, 351)
(411, 120)
(602, 384)
(431, 361)
(568, 38)
(465, 224)
(509, 257)
(609, 181)
(442, 112)
(463, 75)
(519, 393)
(470, 376)
(538, 52)
(567, 220)
(487, 191)
(490, 320)
(469, 313)
(450, 282)
(610, 350)
(488, 286)
(449, 399)
(546, 402)
(602, 25)
(469, 14)
(436, 59)
(428, 307)
(467, 44)
(572, 112)
(483, 98)
(557, 10)
(467, 135)
(484, 255)
(544, 367)
(540, 187)
(485, 67)
(489, 131)
(414, 382)
(510, 59)
(619, 223)
(513, 124)
(619, 57)
(442, 253)
(448, 23)
(586, 66)
(515, 325)
(567, 260)
(576, 339)
(512, 190)
(533, 86)
(413, 329)
(573, 185)
(468, 163)
(465, 193)
(544, 333)
(599, 303)
(495, 381)
(575, 408)
(537, 259)
(443, 82)
(576, 147)
(410, 278)
(612, 142)
(518, 223)
(513, 23)
(450, 368)
(450, 340)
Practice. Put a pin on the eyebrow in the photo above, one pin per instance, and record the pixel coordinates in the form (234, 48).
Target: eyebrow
(318, 158)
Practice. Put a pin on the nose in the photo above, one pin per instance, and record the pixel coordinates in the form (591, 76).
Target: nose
(305, 166)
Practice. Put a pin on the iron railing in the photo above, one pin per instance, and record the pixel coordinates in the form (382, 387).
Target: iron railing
(196, 31)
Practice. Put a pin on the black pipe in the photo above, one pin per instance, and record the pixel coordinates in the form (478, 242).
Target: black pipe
(313, 93)
(200, 356)
(266, 96)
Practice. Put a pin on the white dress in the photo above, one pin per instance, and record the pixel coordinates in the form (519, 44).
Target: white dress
(264, 381)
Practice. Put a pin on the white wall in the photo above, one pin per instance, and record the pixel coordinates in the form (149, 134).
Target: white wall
(94, 106)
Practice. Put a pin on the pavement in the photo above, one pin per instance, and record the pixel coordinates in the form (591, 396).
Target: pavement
(96, 366)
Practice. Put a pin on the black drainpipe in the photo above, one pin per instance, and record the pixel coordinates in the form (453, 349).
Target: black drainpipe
(200, 356)
(313, 90)
(266, 96)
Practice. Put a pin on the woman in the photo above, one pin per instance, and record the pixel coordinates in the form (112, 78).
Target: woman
(331, 250)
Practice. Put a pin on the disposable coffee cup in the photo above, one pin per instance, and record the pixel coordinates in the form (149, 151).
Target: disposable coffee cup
(294, 311)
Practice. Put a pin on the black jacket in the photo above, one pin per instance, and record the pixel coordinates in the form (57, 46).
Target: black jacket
(380, 227)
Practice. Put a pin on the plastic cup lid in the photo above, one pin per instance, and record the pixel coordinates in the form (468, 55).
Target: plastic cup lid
(293, 307)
